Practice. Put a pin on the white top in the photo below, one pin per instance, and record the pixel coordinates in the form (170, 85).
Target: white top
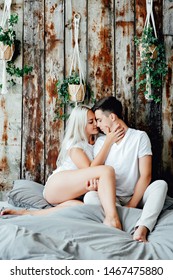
(68, 164)
(123, 157)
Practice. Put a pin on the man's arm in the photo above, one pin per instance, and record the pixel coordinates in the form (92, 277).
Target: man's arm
(145, 169)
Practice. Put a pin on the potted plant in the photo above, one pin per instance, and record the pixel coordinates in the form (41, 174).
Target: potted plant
(76, 88)
(9, 51)
(153, 67)
(69, 92)
(8, 38)
(73, 89)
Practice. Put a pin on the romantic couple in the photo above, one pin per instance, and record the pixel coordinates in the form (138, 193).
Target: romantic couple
(111, 169)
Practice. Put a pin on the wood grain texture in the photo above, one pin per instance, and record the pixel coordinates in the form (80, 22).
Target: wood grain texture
(101, 47)
(10, 115)
(167, 117)
(33, 92)
(124, 59)
(54, 71)
(29, 138)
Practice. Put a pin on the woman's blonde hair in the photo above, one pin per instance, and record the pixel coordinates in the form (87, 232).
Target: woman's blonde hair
(75, 130)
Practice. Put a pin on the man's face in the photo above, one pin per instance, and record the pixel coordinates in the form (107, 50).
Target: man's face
(104, 121)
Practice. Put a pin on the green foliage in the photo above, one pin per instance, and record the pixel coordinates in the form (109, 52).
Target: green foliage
(63, 98)
(153, 63)
(12, 70)
(8, 37)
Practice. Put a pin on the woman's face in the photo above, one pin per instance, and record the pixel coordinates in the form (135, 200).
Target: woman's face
(91, 127)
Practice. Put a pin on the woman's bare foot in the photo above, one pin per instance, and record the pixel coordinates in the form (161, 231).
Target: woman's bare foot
(15, 212)
(112, 222)
(140, 234)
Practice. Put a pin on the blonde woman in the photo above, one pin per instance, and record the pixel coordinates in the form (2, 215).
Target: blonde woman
(78, 172)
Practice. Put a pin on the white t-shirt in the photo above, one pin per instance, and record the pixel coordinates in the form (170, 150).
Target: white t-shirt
(68, 164)
(123, 157)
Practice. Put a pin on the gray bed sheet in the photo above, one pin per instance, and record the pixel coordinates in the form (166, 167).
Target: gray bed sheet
(77, 233)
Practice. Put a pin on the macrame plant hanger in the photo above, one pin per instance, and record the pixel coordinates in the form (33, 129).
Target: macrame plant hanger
(6, 52)
(149, 6)
(76, 92)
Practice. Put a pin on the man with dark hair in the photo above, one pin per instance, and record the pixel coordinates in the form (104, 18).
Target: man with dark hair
(109, 105)
(131, 158)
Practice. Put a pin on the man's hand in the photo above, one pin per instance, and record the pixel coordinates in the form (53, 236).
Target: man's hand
(92, 185)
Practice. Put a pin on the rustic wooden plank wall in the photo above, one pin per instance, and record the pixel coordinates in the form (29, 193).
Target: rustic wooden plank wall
(33, 92)
(54, 70)
(101, 47)
(29, 138)
(10, 117)
(124, 57)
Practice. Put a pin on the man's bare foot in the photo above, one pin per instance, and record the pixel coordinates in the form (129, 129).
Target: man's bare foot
(113, 222)
(140, 234)
(15, 212)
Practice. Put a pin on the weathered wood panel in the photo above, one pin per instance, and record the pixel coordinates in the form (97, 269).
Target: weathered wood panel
(29, 138)
(167, 116)
(101, 47)
(33, 92)
(168, 17)
(10, 116)
(124, 60)
(54, 71)
(167, 99)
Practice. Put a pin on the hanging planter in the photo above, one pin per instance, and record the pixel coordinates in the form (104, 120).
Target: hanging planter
(76, 92)
(73, 89)
(9, 48)
(146, 50)
(67, 95)
(6, 51)
(76, 89)
(153, 67)
(7, 33)
(7, 40)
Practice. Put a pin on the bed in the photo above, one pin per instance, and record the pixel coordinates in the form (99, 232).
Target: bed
(77, 233)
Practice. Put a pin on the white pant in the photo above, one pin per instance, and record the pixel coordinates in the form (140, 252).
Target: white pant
(152, 202)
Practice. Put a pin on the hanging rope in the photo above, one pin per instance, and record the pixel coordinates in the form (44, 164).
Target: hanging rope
(76, 62)
(6, 51)
(149, 5)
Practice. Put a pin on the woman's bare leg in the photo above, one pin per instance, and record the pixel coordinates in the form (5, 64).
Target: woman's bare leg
(70, 184)
(67, 185)
(107, 195)
(41, 211)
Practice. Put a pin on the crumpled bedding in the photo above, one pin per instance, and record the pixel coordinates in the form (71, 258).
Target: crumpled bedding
(77, 233)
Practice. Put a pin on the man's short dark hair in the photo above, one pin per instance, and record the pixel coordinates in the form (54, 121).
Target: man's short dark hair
(109, 104)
